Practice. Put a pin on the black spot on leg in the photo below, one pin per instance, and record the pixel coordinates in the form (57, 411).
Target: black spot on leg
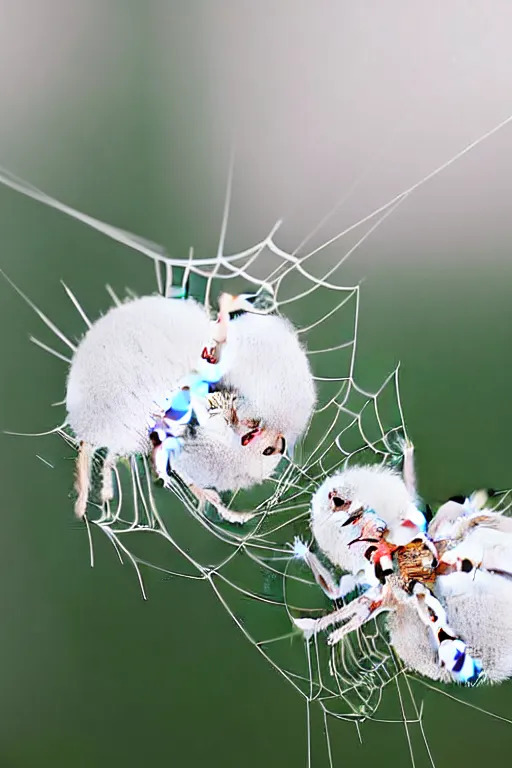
(380, 574)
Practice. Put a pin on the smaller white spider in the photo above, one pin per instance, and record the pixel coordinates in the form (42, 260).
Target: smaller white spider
(366, 521)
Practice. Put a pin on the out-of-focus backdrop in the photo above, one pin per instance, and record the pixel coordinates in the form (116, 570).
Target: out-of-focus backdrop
(129, 111)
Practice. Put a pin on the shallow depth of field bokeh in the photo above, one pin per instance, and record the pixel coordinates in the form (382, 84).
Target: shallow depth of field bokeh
(128, 111)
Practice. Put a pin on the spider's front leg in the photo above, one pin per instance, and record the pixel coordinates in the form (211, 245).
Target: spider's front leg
(204, 495)
(323, 576)
(356, 613)
(367, 607)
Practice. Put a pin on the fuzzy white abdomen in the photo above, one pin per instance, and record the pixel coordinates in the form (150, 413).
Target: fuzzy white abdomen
(127, 362)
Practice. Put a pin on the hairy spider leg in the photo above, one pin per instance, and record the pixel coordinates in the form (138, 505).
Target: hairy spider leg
(323, 577)
(452, 651)
(356, 613)
(207, 495)
(82, 478)
(107, 485)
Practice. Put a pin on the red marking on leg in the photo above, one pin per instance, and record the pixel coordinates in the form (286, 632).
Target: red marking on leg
(384, 549)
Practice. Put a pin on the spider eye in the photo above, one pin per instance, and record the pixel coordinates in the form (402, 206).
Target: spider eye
(269, 451)
(338, 502)
(246, 439)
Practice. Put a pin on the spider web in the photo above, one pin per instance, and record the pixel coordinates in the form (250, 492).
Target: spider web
(253, 570)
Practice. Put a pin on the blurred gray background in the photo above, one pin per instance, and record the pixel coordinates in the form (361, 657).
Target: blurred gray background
(128, 111)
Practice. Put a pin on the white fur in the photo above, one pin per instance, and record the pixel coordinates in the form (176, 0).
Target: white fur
(373, 487)
(478, 604)
(441, 526)
(479, 609)
(125, 363)
(215, 458)
(267, 364)
(488, 543)
(138, 352)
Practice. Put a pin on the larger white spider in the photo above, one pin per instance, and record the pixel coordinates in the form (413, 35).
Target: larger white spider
(216, 401)
(448, 592)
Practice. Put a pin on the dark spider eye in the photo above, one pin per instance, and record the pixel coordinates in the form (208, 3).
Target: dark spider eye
(269, 451)
(246, 439)
(283, 445)
(338, 503)
(466, 566)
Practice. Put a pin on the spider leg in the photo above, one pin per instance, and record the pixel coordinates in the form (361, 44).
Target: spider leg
(323, 576)
(408, 469)
(83, 478)
(165, 446)
(107, 485)
(364, 614)
(204, 495)
(431, 612)
(451, 650)
(445, 519)
(356, 612)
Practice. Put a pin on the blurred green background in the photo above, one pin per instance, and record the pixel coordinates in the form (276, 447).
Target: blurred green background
(128, 111)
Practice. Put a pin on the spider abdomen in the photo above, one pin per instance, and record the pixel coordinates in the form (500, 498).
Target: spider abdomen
(126, 362)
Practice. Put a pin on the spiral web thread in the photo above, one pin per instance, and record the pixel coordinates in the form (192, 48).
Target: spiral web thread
(256, 565)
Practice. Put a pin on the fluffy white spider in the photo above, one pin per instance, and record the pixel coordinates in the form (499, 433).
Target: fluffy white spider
(219, 402)
(448, 593)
